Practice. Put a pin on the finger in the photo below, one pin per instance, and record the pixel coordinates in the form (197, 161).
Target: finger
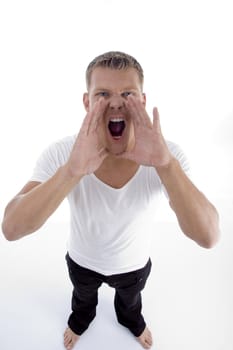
(97, 114)
(133, 111)
(156, 120)
(93, 116)
(138, 111)
(85, 124)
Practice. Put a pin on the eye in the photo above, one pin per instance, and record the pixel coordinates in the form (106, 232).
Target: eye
(103, 94)
(126, 93)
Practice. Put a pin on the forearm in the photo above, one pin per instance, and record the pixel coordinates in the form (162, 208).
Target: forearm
(27, 212)
(197, 217)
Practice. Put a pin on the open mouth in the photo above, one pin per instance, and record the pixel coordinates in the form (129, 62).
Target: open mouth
(116, 127)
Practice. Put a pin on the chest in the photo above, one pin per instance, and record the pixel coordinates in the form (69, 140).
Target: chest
(117, 177)
(94, 202)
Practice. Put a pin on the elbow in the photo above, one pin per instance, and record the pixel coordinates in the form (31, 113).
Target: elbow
(214, 232)
(8, 235)
(9, 232)
(209, 242)
(209, 230)
(205, 235)
(211, 236)
(13, 231)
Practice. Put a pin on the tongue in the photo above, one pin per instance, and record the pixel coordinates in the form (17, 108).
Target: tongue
(116, 128)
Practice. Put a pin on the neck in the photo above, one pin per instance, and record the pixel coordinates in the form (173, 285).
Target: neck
(112, 161)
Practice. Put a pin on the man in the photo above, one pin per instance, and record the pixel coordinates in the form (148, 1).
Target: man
(110, 172)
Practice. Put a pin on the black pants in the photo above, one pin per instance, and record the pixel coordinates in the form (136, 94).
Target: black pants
(127, 301)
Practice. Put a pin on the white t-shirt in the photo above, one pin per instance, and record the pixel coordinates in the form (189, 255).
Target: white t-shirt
(109, 228)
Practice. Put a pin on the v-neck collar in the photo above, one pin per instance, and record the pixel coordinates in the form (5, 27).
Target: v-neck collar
(104, 184)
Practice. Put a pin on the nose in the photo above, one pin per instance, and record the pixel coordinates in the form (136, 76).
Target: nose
(116, 102)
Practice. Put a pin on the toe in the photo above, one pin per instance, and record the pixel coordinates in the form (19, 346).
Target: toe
(69, 345)
(70, 338)
(66, 337)
(147, 345)
(67, 340)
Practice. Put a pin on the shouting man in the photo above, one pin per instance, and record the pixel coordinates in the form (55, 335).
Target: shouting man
(110, 172)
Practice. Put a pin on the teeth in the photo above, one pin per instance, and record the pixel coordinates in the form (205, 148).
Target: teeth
(116, 120)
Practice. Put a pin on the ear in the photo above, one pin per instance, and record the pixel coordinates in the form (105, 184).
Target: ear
(86, 101)
(144, 99)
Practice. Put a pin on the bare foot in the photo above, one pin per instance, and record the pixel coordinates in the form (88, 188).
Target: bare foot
(70, 339)
(145, 339)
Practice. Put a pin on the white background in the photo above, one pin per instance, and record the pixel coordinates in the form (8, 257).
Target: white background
(185, 48)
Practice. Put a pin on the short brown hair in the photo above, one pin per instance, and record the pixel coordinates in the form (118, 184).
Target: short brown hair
(114, 60)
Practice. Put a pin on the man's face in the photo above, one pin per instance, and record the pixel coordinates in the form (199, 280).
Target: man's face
(117, 131)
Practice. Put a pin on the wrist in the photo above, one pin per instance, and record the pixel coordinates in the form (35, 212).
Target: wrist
(167, 167)
(71, 175)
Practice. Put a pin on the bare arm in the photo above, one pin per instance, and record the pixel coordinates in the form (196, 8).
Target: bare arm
(34, 204)
(197, 217)
(28, 210)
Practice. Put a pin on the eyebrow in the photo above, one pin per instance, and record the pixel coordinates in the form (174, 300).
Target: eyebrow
(108, 90)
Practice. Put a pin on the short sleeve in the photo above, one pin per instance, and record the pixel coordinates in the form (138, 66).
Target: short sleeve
(51, 159)
(178, 153)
